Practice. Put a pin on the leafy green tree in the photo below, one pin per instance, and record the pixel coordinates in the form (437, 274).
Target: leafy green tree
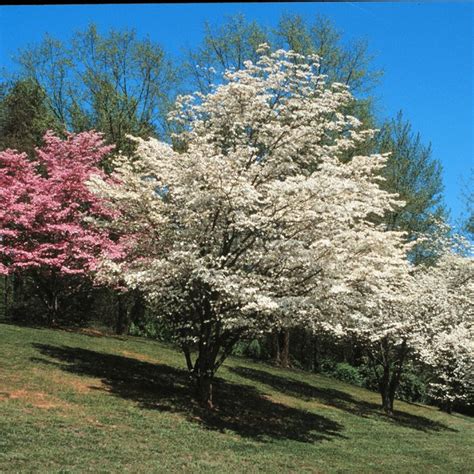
(116, 83)
(414, 174)
(350, 64)
(224, 46)
(236, 40)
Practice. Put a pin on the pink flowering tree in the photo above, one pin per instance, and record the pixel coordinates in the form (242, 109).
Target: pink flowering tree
(45, 213)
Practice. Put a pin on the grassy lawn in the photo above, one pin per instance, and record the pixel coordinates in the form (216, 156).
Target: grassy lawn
(72, 402)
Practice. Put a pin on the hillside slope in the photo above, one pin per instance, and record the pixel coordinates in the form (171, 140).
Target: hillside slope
(74, 402)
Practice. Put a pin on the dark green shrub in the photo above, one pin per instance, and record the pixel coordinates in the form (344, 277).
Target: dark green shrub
(254, 349)
(152, 328)
(347, 373)
(412, 388)
(240, 348)
(327, 366)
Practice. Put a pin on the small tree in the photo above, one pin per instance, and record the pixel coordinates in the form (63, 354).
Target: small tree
(251, 223)
(43, 208)
(412, 312)
(226, 46)
(451, 358)
(378, 312)
(448, 343)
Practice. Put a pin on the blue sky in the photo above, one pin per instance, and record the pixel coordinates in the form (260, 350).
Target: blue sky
(425, 49)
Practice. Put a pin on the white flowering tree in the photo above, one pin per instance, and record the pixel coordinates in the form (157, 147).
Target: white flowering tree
(424, 313)
(382, 312)
(448, 342)
(252, 219)
(451, 355)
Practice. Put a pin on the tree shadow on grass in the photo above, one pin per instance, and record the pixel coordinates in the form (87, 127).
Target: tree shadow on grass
(240, 408)
(337, 399)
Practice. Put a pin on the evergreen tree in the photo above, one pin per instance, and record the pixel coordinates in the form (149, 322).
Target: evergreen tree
(416, 176)
(24, 116)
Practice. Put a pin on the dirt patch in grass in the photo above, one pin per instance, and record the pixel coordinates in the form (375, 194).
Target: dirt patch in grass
(141, 357)
(82, 385)
(287, 400)
(93, 332)
(85, 331)
(37, 399)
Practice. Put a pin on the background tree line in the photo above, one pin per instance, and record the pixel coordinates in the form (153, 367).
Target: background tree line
(120, 84)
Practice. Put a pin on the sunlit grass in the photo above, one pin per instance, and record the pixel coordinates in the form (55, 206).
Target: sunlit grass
(73, 402)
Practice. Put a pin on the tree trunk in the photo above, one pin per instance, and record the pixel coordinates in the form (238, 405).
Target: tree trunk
(121, 324)
(392, 372)
(306, 364)
(52, 310)
(447, 407)
(315, 355)
(211, 341)
(204, 390)
(5, 296)
(387, 402)
(16, 287)
(16, 296)
(384, 386)
(275, 343)
(210, 357)
(137, 312)
(384, 380)
(285, 348)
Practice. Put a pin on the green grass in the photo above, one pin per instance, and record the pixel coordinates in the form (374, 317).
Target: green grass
(72, 402)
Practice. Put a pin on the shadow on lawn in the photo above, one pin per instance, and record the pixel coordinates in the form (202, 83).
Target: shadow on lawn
(240, 408)
(337, 399)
